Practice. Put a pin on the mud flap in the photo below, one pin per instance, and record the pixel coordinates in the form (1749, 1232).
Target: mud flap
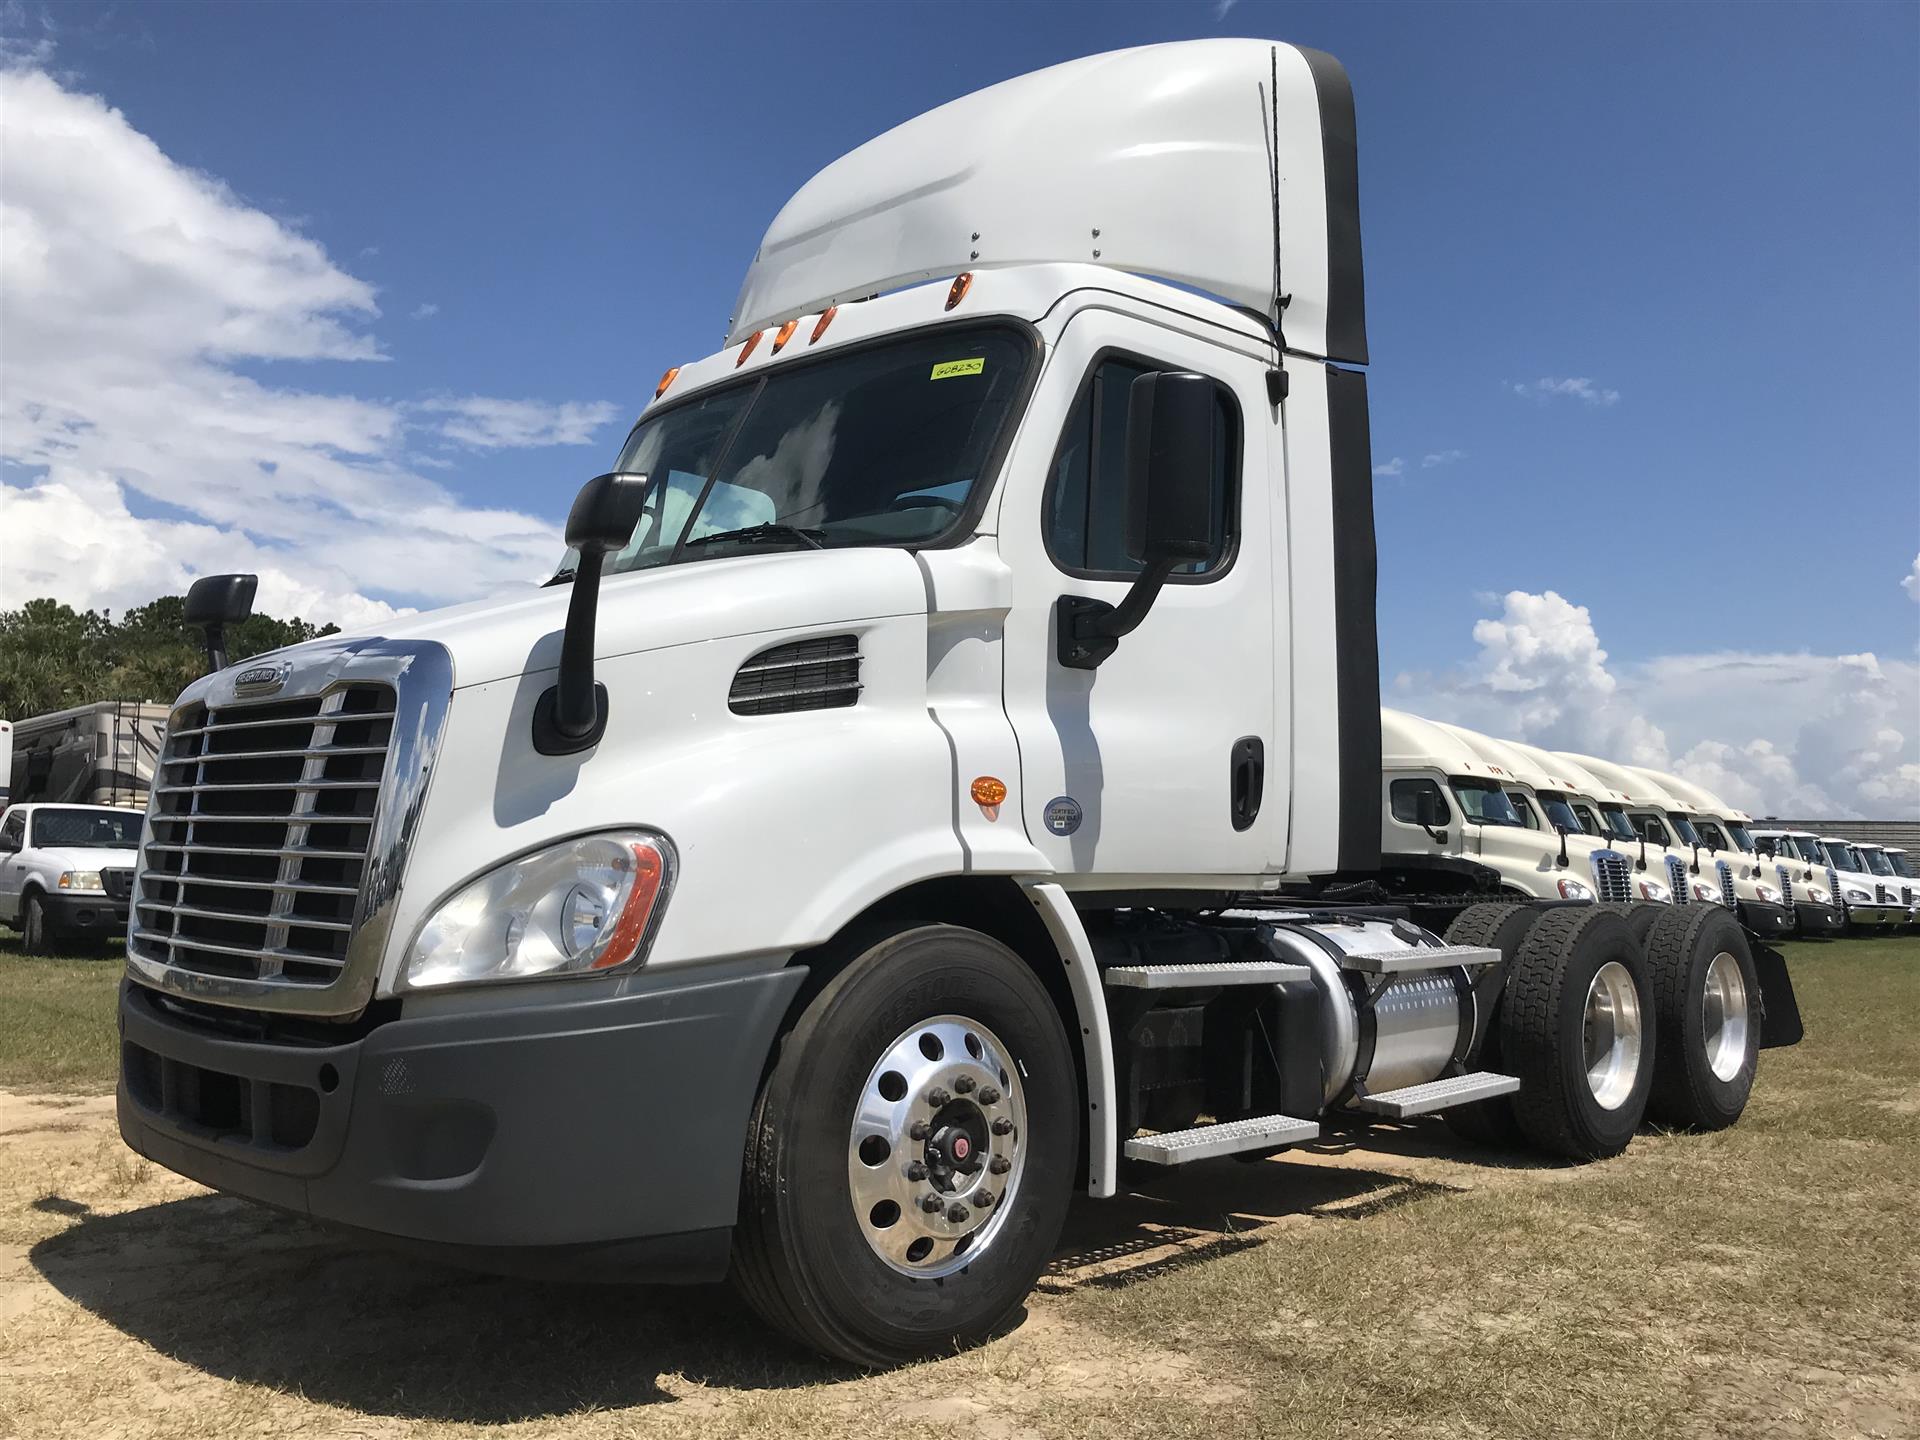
(1779, 1010)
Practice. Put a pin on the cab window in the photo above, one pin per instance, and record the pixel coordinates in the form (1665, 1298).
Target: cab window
(1085, 506)
(1650, 826)
(1404, 799)
(13, 831)
(1710, 835)
(1484, 804)
(1518, 799)
(1590, 822)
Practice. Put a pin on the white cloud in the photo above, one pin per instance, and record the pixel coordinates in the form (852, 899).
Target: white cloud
(133, 288)
(1441, 457)
(488, 424)
(426, 310)
(1911, 584)
(1395, 466)
(1579, 388)
(1222, 8)
(1817, 735)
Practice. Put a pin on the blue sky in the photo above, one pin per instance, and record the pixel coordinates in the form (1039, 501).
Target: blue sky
(1644, 282)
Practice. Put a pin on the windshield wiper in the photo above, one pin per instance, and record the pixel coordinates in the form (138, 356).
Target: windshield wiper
(769, 530)
(560, 577)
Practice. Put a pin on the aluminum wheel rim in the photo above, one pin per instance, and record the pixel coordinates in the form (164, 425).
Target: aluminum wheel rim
(1724, 1017)
(945, 1081)
(1612, 1032)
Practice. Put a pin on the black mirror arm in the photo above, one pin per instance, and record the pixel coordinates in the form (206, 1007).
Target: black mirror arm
(1090, 630)
(1563, 845)
(215, 636)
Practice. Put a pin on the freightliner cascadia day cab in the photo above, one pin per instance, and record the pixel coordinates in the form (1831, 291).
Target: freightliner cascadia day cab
(1811, 886)
(1868, 899)
(1886, 866)
(920, 796)
(1732, 863)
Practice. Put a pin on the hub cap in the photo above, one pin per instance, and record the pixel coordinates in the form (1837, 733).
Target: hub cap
(1724, 1017)
(1612, 1035)
(938, 1147)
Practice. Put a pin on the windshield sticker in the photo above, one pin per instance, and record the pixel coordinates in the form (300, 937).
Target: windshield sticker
(947, 369)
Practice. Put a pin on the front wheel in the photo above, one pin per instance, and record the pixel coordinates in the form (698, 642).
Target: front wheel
(912, 1153)
(35, 932)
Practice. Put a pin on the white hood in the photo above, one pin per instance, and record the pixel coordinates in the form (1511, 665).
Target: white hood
(84, 857)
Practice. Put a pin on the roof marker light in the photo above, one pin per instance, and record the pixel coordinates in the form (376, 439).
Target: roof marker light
(747, 349)
(957, 292)
(826, 319)
(666, 380)
(785, 334)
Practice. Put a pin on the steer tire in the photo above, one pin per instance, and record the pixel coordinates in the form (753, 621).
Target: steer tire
(1543, 1036)
(36, 931)
(802, 1254)
(1687, 1093)
(1501, 927)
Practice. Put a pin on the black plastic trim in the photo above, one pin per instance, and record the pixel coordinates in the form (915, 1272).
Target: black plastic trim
(1340, 161)
(1355, 630)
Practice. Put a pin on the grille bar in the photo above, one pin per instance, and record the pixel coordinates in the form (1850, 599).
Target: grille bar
(307, 850)
(214, 755)
(305, 887)
(202, 912)
(227, 727)
(226, 788)
(304, 957)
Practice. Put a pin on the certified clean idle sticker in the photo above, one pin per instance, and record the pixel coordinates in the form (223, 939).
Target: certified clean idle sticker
(1062, 815)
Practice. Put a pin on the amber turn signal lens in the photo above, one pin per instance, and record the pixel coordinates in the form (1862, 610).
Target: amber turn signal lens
(820, 326)
(784, 334)
(747, 349)
(957, 291)
(665, 380)
(989, 791)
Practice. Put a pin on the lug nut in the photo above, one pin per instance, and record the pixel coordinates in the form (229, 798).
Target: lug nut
(1000, 1164)
(916, 1171)
(957, 1214)
(1003, 1126)
(964, 1085)
(931, 1204)
(918, 1130)
(938, 1098)
(989, 1096)
(983, 1198)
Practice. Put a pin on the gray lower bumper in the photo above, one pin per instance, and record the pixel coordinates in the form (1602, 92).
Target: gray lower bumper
(599, 1137)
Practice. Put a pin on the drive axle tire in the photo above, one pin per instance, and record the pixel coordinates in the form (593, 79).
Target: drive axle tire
(36, 932)
(1501, 927)
(912, 1153)
(1706, 993)
(1641, 918)
(1577, 1025)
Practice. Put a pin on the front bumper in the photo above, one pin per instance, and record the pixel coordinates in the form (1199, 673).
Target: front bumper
(1764, 919)
(84, 914)
(1815, 919)
(599, 1138)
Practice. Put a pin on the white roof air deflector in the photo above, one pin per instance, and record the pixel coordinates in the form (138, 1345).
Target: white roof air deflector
(1153, 161)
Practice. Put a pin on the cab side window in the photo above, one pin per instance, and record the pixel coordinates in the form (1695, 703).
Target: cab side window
(1085, 506)
(1655, 832)
(13, 831)
(1404, 799)
(1710, 835)
(1523, 809)
(1589, 822)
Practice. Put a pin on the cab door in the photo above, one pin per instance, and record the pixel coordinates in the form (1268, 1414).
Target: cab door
(1166, 760)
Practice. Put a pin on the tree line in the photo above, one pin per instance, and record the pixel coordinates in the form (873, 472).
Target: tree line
(53, 657)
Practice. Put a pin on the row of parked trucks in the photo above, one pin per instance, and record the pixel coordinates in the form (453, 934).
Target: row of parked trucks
(945, 774)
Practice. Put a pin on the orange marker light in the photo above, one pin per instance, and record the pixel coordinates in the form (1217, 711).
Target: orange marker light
(957, 291)
(989, 791)
(820, 327)
(747, 349)
(665, 380)
(785, 334)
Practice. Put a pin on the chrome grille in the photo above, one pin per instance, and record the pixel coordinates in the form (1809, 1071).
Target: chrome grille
(1610, 877)
(1727, 897)
(817, 674)
(1786, 887)
(1880, 893)
(1833, 888)
(258, 836)
(1677, 880)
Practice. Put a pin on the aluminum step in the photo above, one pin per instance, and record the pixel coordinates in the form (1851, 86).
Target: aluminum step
(1205, 976)
(1203, 1142)
(1439, 1094)
(1401, 962)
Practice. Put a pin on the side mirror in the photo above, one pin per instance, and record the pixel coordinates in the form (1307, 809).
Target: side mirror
(572, 714)
(215, 602)
(1168, 508)
(1430, 809)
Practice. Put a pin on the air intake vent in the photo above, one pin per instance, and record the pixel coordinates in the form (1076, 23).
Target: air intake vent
(1727, 896)
(818, 674)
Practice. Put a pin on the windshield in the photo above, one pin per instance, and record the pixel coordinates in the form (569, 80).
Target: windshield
(1683, 827)
(1878, 863)
(880, 446)
(1559, 813)
(1898, 860)
(1486, 804)
(87, 829)
(1843, 857)
(1809, 850)
(1618, 825)
(1740, 835)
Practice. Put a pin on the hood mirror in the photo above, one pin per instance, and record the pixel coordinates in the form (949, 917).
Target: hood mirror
(571, 715)
(215, 602)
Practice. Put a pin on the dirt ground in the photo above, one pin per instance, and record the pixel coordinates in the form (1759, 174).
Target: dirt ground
(1761, 1282)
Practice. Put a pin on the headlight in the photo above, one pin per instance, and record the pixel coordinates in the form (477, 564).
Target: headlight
(1655, 891)
(1817, 895)
(584, 906)
(1855, 895)
(1767, 893)
(80, 880)
(1572, 889)
(1703, 891)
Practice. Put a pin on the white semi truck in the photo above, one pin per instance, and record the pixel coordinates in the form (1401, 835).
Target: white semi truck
(921, 798)
(1731, 866)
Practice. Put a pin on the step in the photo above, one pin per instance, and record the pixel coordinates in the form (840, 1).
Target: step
(1203, 1142)
(1438, 1094)
(1401, 962)
(1204, 976)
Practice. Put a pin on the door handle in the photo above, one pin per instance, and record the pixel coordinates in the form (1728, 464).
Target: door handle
(1247, 767)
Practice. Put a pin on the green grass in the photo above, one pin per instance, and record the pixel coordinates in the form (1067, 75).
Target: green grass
(57, 1018)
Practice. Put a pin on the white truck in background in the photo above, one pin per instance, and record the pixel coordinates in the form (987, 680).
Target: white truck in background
(1732, 864)
(1889, 862)
(1818, 900)
(929, 789)
(1869, 899)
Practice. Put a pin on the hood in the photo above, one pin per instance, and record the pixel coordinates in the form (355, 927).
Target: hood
(518, 632)
(84, 857)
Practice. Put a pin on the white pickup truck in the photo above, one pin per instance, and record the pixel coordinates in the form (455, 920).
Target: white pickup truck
(928, 787)
(66, 872)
